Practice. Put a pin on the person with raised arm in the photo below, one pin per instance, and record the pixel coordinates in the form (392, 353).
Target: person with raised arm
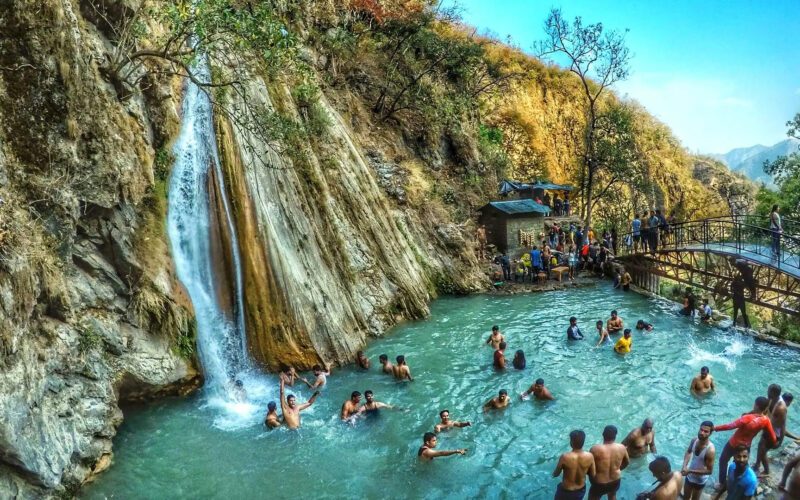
(291, 410)
(747, 427)
(426, 452)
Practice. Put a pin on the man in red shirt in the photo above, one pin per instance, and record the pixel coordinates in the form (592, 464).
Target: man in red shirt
(499, 359)
(747, 427)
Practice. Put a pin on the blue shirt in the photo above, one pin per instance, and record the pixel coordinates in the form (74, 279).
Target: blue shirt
(536, 258)
(637, 226)
(742, 486)
(574, 333)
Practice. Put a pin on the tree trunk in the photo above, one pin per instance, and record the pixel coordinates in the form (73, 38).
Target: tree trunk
(590, 182)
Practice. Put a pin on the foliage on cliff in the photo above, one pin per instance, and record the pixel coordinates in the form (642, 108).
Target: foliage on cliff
(477, 110)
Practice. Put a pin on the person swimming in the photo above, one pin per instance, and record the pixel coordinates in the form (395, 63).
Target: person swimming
(371, 407)
(362, 361)
(519, 360)
(614, 324)
(623, 345)
(573, 332)
(351, 406)
(499, 362)
(496, 337)
(272, 421)
(387, 366)
(401, 371)
(538, 390)
(446, 423)
(239, 392)
(603, 334)
(501, 401)
(640, 439)
(644, 325)
(321, 377)
(426, 452)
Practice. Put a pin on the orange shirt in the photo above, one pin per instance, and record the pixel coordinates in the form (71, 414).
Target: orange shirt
(746, 429)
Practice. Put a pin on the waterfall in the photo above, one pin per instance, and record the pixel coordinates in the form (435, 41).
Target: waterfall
(220, 342)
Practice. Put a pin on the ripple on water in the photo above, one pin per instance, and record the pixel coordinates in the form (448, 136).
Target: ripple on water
(200, 448)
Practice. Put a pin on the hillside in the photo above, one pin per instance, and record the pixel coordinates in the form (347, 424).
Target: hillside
(750, 161)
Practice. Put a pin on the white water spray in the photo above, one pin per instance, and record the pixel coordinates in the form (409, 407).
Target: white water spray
(220, 342)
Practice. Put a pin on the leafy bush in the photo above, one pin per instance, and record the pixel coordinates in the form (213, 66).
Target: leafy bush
(88, 338)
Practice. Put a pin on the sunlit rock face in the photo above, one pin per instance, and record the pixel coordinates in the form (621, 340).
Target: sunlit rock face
(329, 256)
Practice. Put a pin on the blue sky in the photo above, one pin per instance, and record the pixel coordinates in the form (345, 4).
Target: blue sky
(720, 74)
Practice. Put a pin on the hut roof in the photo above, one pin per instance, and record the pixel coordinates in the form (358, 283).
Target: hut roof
(518, 207)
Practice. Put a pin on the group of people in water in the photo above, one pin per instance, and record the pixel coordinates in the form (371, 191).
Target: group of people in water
(603, 463)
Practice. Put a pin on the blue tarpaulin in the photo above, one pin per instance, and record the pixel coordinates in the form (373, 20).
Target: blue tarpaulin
(519, 207)
(508, 186)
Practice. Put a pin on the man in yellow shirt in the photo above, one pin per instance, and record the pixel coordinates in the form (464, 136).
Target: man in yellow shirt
(623, 345)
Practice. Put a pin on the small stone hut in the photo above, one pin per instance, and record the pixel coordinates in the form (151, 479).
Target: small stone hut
(513, 225)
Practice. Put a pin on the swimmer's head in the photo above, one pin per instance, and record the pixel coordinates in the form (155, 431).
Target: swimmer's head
(576, 439)
(647, 425)
(539, 382)
(316, 369)
(355, 396)
(368, 396)
(599, 324)
(429, 439)
(640, 324)
(573, 320)
(383, 358)
(609, 434)
(502, 395)
(445, 415)
(614, 313)
(495, 328)
(627, 333)
(502, 345)
(788, 398)
(239, 383)
(761, 404)
(774, 391)
(360, 354)
(290, 400)
(401, 360)
(706, 428)
(704, 372)
(660, 468)
(271, 406)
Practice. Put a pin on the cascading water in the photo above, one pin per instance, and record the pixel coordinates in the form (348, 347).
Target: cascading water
(221, 343)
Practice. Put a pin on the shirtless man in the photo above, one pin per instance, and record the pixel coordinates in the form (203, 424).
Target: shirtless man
(698, 462)
(603, 334)
(501, 401)
(614, 324)
(272, 420)
(291, 410)
(500, 360)
(371, 406)
(351, 406)
(575, 465)
(386, 364)
(791, 492)
(644, 325)
(778, 409)
(703, 383)
(446, 423)
(610, 459)
(289, 375)
(669, 481)
(426, 451)
(640, 439)
(401, 371)
(362, 360)
(495, 338)
(321, 377)
(538, 390)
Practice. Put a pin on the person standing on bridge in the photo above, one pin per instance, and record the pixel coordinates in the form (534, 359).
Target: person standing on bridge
(655, 223)
(776, 228)
(636, 225)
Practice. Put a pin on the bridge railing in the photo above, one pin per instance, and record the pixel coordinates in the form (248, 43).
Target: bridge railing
(739, 235)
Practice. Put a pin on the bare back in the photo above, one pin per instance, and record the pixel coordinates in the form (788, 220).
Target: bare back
(609, 460)
(574, 466)
(670, 489)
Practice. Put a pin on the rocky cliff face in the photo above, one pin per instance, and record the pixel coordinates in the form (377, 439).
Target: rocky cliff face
(89, 308)
(329, 257)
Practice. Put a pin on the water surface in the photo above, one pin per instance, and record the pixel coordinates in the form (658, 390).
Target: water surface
(185, 448)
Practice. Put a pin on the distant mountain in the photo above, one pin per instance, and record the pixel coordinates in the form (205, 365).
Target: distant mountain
(750, 161)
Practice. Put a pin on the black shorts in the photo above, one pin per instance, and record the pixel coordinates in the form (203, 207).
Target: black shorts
(562, 494)
(694, 486)
(600, 489)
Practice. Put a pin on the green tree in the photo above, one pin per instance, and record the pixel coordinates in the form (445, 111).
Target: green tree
(786, 172)
(600, 59)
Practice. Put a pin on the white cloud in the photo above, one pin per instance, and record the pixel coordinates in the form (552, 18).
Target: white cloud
(707, 114)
